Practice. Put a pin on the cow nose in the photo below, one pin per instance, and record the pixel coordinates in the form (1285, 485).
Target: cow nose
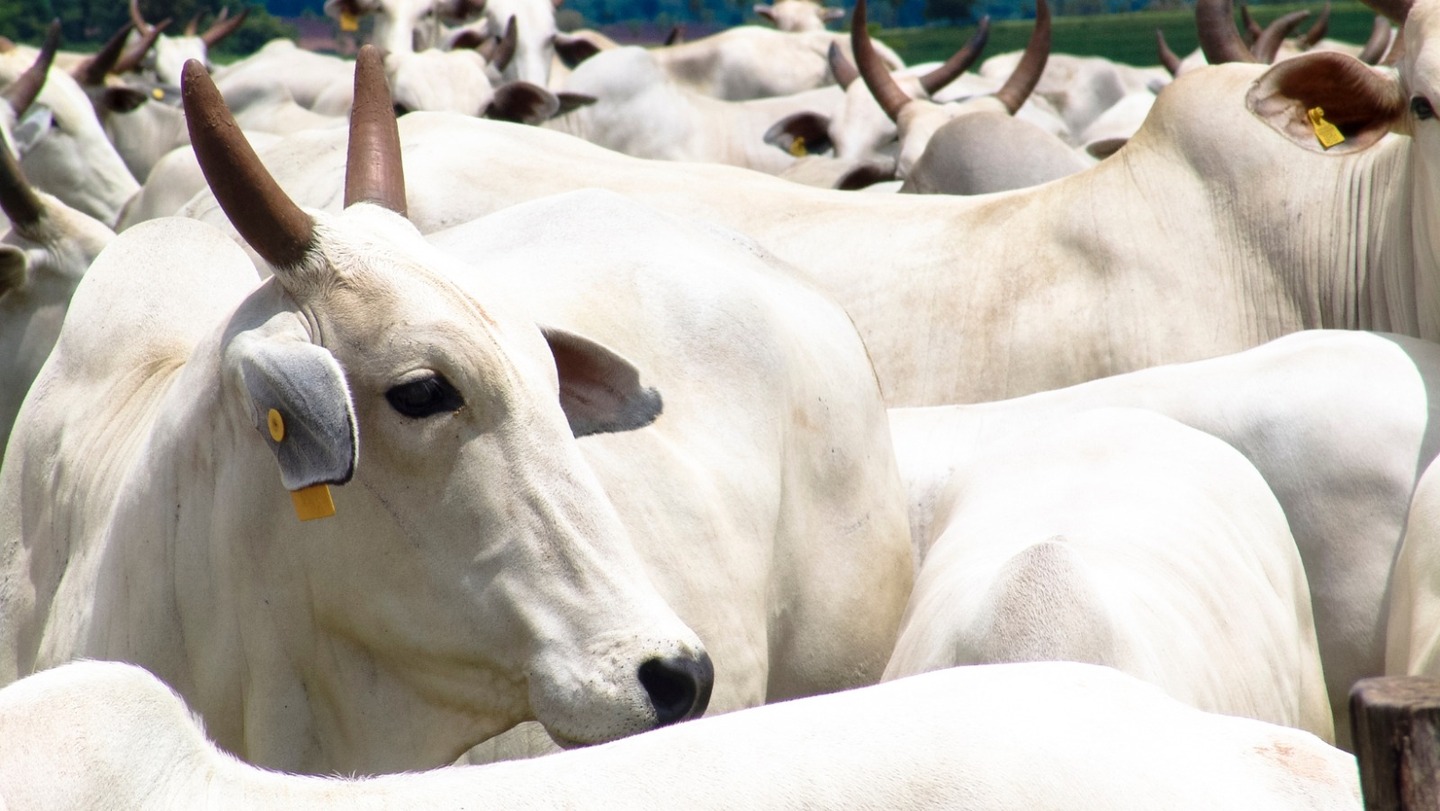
(679, 687)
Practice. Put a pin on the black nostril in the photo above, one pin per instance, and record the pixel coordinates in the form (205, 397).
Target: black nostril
(679, 688)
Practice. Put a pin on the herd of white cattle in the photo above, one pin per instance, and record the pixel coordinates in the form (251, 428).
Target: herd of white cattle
(1055, 434)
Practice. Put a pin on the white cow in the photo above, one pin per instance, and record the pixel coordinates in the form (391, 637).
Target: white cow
(1339, 423)
(1043, 736)
(282, 63)
(169, 54)
(798, 15)
(1118, 537)
(1413, 629)
(470, 574)
(42, 257)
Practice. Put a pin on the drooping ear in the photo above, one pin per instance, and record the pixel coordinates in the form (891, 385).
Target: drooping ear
(764, 12)
(302, 409)
(574, 50)
(600, 391)
(864, 176)
(522, 103)
(573, 101)
(800, 134)
(1359, 100)
(122, 99)
(35, 124)
(14, 268)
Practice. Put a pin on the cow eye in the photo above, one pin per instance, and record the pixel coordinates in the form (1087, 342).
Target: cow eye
(425, 397)
(1420, 106)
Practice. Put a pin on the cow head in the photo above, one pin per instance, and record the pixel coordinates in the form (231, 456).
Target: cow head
(170, 53)
(473, 570)
(798, 15)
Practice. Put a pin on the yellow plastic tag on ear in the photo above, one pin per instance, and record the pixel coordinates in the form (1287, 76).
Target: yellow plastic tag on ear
(313, 502)
(158, 93)
(349, 22)
(1328, 134)
(276, 424)
(797, 147)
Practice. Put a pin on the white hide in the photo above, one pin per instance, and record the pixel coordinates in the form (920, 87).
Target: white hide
(750, 62)
(1123, 538)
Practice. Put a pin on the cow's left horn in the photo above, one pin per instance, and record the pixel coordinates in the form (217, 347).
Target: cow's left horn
(21, 93)
(17, 198)
(1022, 81)
(882, 86)
(267, 219)
(1219, 41)
(1378, 42)
(373, 170)
(223, 27)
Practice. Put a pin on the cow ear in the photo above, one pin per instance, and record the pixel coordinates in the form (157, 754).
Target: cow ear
(122, 99)
(1299, 96)
(33, 126)
(864, 176)
(800, 134)
(522, 103)
(600, 391)
(573, 101)
(14, 268)
(764, 12)
(574, 50)
(302, 409)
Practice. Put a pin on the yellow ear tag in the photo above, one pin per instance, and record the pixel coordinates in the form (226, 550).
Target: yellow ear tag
(276, 423)
(797, 147)
(349, 22)
(158, 93)
(313, 502)
(1328, 133)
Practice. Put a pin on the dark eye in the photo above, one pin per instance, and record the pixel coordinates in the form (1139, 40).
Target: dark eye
(425, 397)
(1420, 106)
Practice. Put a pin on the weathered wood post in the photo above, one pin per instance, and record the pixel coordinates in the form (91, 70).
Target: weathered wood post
(1396, 723)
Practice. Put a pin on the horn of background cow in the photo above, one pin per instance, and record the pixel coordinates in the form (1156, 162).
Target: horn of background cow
(1318, 30)
(93, 70)
(192, 25)
(1252, 30)
(844, 72)
(17, 197)
(675, 37)
(1270, 40)
(1167, 56)
(1026, 75)
(223, 26)
(1378, 42)
(1393, 56)
(21, 93)
(373, 169)
(1394, 10)
(958, 62)
(266, 218)
(1219, 41)
(505, 51)
(882, 86)
(136, 18)
(133, 57)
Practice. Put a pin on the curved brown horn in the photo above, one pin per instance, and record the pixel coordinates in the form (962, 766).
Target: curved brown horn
(1378, 42)
(17, 198)
(136, 18)
(1167, 56)
(844, 72)
(93, 70)
(1253, 30)
(267, 219)
(1268, 45)
(1317, 31)
(373, 170)
(960, 61)
(1393, 56)
(21, 93)
(1219, 41)
(882, 85)
(504, 52)
(1396, 11)
(1022, 81)
(223, 27)
(192, 25)
(133, 57)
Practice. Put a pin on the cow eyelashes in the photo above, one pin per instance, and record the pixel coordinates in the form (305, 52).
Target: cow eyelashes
(1420, 106)
(425, 397)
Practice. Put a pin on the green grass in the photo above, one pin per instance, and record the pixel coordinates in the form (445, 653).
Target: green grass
(1123, 37)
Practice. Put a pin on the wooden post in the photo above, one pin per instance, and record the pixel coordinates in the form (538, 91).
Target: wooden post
(1396, 724)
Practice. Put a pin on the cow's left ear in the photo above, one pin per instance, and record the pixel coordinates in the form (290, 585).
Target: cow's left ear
(1299, 97)
(600, 391)
(800, 134)
(302, 408)
(764, 12)
(522, 103)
